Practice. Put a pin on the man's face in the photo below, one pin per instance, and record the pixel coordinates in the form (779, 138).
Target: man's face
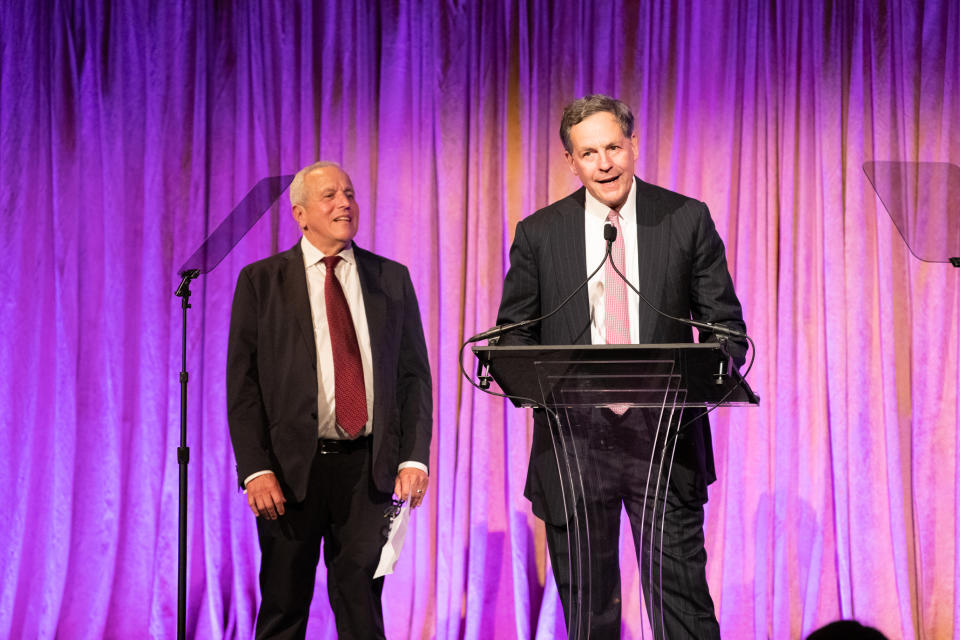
(330, 215)
(603, 158)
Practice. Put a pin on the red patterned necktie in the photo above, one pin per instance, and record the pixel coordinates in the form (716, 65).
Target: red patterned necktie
(350, 392)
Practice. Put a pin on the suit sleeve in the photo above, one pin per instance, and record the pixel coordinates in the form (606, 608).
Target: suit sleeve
(414, 386)
(246, 413)
(712, 297)
(521, 291)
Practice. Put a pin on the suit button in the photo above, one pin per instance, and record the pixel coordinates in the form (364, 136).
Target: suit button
(313, 414)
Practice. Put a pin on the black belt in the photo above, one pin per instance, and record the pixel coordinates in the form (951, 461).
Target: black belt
(341, 446)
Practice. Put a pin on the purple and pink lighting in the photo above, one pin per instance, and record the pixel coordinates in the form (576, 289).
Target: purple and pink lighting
(128, 131)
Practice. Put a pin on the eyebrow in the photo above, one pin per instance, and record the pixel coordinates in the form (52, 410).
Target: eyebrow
(615, 143)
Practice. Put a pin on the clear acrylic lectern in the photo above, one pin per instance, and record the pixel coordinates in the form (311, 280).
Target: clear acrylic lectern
(583, 390)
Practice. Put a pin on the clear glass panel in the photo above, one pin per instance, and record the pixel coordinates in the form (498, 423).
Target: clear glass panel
(923, 200)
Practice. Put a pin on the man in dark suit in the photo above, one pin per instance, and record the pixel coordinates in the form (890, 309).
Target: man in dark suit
(330, 409)
(669, 247)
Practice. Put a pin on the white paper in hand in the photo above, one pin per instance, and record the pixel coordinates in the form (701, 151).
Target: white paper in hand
(391, 549)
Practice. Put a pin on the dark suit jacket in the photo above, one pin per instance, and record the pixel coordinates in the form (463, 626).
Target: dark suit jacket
(272, 370)
(683, 271)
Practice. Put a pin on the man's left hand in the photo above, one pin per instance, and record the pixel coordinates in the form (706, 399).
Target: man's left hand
(411, 484)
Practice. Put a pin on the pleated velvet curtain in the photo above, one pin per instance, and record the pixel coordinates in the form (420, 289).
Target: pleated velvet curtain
(128, 131)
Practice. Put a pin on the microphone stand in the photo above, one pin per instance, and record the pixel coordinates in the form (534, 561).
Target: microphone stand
(183, 458)
(208, 255)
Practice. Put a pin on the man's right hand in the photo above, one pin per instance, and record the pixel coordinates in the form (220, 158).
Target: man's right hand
(265, 497)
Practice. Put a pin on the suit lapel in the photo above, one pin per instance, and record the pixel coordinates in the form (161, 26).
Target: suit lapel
(295, 293)
(653, 242)
(375, 306)
(572, 267)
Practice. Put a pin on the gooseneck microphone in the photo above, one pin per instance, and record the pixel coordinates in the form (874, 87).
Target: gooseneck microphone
(609, 234)
(499, 330)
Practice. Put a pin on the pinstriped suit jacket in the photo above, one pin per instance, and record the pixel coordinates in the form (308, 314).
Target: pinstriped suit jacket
(683, 271)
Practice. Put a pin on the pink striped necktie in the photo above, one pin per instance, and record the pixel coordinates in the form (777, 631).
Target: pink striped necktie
(617, 318)
(349, 390)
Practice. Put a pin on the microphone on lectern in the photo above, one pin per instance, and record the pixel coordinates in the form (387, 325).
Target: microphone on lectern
(609, 234)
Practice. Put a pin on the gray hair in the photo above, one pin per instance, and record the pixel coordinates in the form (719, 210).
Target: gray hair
(579, 110)
(297, 186)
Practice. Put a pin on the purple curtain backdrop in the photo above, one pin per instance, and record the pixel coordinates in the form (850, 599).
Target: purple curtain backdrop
(128, 130)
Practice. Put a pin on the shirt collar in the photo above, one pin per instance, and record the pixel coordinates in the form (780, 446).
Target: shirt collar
(628, 212)
(312, 255)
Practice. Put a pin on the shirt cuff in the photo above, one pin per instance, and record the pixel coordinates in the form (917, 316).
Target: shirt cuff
(415, 465)
(254, 475)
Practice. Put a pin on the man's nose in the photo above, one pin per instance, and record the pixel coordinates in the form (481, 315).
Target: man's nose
(341, 199)
(605, 162)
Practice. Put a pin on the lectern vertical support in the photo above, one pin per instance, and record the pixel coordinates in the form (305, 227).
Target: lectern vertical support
(571, 485)
(670, 410)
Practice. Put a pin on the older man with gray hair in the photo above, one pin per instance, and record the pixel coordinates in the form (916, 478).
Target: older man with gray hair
(329, 402)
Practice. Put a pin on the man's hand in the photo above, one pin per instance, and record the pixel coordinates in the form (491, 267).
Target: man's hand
(265, 497)
(411, 485)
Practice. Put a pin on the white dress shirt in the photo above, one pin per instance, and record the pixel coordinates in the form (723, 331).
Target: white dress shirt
(595, 217)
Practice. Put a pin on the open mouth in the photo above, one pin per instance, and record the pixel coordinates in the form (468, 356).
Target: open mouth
(342, 219)
(608, 180)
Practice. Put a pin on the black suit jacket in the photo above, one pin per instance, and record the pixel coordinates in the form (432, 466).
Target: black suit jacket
(272, 370)
(683, 271)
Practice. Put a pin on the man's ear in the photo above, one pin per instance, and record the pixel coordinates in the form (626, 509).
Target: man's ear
(569, 158)
(298, 215)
